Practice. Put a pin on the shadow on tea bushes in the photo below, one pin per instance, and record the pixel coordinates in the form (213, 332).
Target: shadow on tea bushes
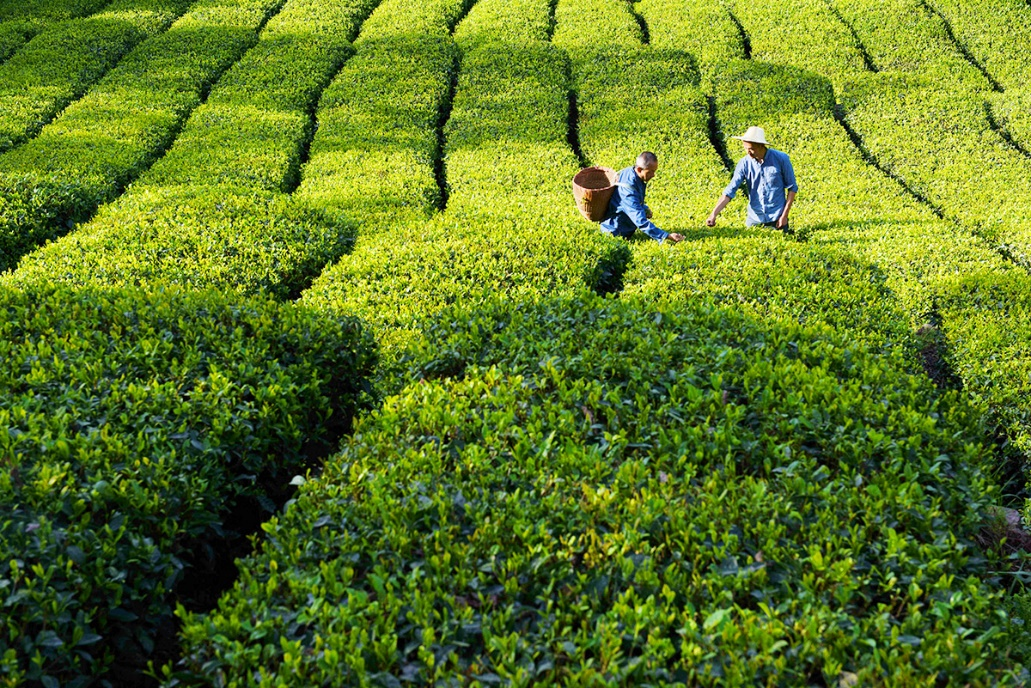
(133, 422)
(617, 493)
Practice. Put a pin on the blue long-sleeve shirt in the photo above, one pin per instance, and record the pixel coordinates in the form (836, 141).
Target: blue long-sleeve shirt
(627, 211)
(768, 183)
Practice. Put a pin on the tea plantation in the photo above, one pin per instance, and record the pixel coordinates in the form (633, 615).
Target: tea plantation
(314, 375)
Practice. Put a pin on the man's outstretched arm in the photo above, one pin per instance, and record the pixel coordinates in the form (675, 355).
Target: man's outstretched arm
(782, 221)
(736, 180)
(720, 205)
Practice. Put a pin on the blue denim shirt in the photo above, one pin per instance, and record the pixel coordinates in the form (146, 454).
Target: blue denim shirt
(627, 212)
(768, 183)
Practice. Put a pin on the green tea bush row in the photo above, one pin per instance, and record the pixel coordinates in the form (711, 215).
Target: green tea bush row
(377, 147)
(975, 151)
(509, 226)
(926, 48)
(59, 64)
(927, 263)
(1011, 112)
(212, 211)
(15, 34)
(986, 317)
(250, 132)
(616, 493)
(994, 32)
(673, 25)
(49, 10)
(134, 421)
(901, 115)
(830, 48)
(85, 157)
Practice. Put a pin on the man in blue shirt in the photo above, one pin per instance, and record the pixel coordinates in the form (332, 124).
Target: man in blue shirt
(769, 181)
(627, 212)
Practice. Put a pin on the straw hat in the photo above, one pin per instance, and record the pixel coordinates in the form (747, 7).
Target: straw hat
(753, 135)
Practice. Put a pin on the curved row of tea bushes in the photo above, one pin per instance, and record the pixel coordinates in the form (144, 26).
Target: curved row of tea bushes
(934, 267)
(47, 11)
(619, 494)
(977, 327)
(212, 212)
(904, 36)
(508, 227)
(100, 143)
(901, 117)
(996, 33)
(134, 422)
(907, 141)
(830, 46)
(375, 155)
(58, 65)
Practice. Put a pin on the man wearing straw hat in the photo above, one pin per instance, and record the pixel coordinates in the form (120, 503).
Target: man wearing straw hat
(769, 181)
(627, 212)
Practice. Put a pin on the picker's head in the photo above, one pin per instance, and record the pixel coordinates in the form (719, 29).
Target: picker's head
(754, 142)
(646, 165)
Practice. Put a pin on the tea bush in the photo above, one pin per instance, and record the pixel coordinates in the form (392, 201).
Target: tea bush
(101, 142)
(993, 32)
(617, 493)
(901, 118)
(675, 25)
(58, 65)
(375, 155)
(47, 11)
(249, 242)
(211, 212)
(927, 48)
(134, 422)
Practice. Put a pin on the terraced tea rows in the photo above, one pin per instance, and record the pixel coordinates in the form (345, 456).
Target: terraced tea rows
(246, 241)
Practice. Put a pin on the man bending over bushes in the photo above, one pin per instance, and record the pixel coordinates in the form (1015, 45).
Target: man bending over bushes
(770, 182)
(627, 212)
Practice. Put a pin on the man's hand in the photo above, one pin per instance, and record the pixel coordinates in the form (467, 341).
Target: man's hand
(710, 221)
(648, 213)
(782, 221)
(674, 237)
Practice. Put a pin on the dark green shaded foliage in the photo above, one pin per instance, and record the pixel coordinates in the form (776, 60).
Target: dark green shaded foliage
(612, 492)
(131, 424)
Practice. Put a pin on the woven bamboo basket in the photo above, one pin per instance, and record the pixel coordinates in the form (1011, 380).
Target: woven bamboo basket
(592, 189)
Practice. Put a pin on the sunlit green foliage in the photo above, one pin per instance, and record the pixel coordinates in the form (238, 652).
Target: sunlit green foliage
(58, 65)
(569, 489)
(101, 142)
(212, 211)
(752, 465)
